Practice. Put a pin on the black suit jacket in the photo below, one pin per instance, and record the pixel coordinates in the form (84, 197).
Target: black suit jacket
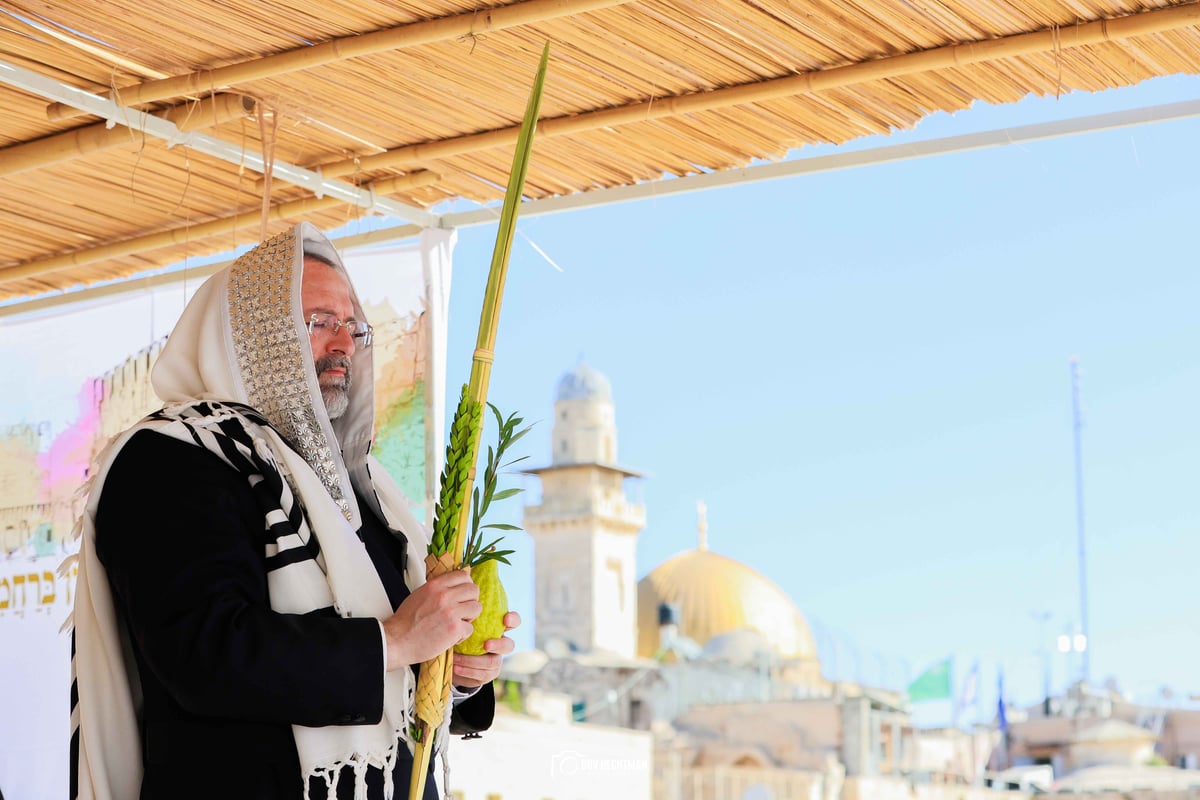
(223, 677)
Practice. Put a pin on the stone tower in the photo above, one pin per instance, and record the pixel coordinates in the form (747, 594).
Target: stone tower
(585, 529)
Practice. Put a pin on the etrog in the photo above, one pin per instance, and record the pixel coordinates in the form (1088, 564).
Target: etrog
(490, 622)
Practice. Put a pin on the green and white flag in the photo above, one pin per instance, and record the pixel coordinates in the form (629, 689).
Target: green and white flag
(932, 684)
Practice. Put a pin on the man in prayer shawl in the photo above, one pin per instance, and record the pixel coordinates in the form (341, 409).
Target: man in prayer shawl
(251, 603)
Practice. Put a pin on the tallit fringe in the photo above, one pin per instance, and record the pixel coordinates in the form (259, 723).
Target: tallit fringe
(446, 770)
(359, 763)
(442, 745)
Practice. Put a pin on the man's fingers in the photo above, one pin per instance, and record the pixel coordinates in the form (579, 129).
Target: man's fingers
(453, 582)
(455, 577)
(476, 664)
(502, 646)
(469, 611)
(475, 670)
(511, 620)
(450, 593)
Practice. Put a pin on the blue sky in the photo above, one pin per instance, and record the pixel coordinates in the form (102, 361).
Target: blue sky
(865, 375)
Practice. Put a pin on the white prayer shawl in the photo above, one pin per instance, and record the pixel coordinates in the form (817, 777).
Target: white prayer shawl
(243, 338)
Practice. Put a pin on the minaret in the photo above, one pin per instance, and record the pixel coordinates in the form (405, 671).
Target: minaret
(585, 529)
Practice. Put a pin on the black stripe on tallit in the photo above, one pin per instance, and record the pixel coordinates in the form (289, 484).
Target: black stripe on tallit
(274, 488)
(287, 557)
(249, 412)
(270, 491)
(73, 791)
(257, 418)
(238, 447)
(310, 550)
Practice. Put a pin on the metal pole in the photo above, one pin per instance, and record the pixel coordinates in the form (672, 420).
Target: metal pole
(1043, 651)
(1083, 595)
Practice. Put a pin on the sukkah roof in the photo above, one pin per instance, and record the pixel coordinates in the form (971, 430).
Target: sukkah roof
(395, 107)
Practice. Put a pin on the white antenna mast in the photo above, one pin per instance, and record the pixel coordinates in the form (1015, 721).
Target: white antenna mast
(1083, 594)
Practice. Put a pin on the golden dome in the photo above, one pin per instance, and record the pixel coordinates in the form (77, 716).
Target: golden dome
(714, 595)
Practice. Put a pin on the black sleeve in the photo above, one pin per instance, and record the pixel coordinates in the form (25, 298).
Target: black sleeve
(180, 535)
(475, 713)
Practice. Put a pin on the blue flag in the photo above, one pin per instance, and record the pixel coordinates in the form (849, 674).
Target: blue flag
(1001, 716)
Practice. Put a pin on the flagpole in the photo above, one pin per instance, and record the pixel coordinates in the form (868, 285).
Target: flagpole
(1083, 591)
(1043, 651)
(974, 766)
(1002, 719)
(954, 701)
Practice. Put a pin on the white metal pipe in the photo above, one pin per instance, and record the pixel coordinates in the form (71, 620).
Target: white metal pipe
(836, 161)
(57, 91)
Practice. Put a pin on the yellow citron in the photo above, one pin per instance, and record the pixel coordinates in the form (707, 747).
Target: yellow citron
(490, 622)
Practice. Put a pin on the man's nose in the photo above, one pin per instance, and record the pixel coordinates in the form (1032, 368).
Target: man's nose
(341, 341)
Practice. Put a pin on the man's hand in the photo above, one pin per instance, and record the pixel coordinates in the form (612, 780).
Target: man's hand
(473, 671)
(432, 619)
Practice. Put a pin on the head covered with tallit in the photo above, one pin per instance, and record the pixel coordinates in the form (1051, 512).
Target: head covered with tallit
(244, 338)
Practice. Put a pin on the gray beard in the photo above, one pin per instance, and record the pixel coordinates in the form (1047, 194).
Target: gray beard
(336, 396)
(337, 400)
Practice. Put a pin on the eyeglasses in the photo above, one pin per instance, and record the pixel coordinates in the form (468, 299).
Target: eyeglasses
(328, 324)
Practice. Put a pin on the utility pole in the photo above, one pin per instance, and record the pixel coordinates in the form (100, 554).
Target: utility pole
(1083, 593)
